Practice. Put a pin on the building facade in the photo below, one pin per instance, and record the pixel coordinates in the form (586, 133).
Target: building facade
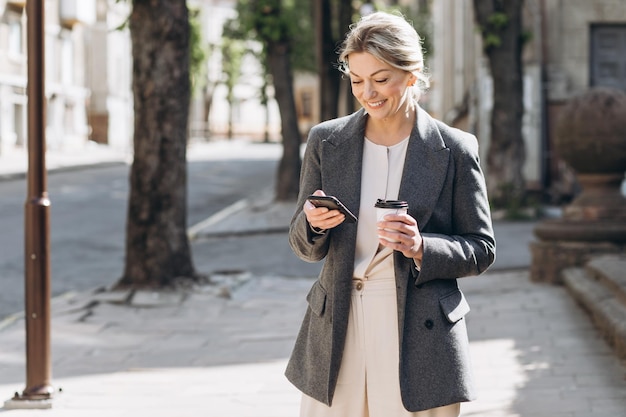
(88, 75)
(574, 45)
(108, 61)
(12, 76)
(67, 89)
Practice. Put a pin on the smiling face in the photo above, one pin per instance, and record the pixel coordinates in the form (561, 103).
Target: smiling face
(380, 88)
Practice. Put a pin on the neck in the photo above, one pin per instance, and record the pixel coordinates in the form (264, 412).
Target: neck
(391, 131)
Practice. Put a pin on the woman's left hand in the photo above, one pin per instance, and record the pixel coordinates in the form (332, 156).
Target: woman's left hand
(403, 234)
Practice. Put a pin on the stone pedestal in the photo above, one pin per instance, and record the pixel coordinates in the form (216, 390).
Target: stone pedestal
(591, 137)
(549, 258)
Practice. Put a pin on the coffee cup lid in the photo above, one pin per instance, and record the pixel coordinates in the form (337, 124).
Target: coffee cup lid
(391, 204)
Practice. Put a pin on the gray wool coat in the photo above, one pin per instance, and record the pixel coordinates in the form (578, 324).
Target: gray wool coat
(445, 188)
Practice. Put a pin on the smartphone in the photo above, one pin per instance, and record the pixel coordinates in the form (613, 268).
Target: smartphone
(332, 203)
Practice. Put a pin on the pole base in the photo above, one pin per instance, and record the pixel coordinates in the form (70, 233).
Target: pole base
(20, 402)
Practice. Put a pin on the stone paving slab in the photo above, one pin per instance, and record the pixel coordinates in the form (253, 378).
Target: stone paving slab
(224, 391)
(537, 352)
(534, 350)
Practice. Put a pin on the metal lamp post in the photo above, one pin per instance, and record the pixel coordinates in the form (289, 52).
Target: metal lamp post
(38, 391)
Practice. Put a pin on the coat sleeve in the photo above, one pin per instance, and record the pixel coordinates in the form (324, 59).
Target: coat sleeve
(469, 247)
(306, 244)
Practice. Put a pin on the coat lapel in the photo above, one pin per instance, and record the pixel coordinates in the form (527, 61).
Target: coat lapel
(344, 157)
(425, 169)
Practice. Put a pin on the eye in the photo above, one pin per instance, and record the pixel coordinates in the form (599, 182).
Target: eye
(384, 80)
(356, 81)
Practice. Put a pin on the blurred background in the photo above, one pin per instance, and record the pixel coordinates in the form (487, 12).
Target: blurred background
(564, 49)
(175, 127)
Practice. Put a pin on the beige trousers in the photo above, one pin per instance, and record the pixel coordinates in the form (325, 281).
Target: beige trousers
(369, 383)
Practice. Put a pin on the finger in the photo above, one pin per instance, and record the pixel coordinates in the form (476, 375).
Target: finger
(328, 224)
(396, 227)
(315, 215)
(402, 217)
(334, 216)
(390, 236)
(328, 219)
(409, 246)
(319, 213)
(337, 220)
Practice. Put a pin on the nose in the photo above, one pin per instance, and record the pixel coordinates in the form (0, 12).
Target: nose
(369, 91)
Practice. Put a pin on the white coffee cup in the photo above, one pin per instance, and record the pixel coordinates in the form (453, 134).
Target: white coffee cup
(384, 207)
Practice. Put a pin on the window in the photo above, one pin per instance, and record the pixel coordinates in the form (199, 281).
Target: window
(608, 56)
(67, 60)
(16, 44)
(306, 99)
(19, 124)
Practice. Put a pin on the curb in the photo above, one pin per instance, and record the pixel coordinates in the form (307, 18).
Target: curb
(236, 233)
(194, 231)
(9, 176)
(254, 206)
(10, 320)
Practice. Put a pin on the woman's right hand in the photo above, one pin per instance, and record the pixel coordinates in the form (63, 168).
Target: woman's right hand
(321, 217)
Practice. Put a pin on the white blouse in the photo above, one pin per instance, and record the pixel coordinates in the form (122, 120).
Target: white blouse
(381, 177)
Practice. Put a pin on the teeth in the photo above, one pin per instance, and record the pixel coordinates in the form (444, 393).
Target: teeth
(377, 103)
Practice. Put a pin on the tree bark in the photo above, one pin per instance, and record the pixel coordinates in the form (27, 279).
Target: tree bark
(346, 10)
(288, 178)
(506, 154)
(157, 247)
(329, 76)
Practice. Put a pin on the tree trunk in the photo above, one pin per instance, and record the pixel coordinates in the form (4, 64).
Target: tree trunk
(329, 76)
(208, 102)
(288, 179)
(157, 247)
(506, 154)
(231, 110)
(346, 10)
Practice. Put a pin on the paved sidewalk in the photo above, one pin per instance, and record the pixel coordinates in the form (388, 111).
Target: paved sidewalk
(220, 350)
(535, 353)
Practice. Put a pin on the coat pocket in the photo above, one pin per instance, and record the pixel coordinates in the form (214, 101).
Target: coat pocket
(454, 306)
(317, 299)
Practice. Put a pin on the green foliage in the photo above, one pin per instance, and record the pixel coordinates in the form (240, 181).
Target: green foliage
(197, 51)
(422, 22)
(512, 203)
(277, 21)
(497, 22)
(527, 36)
(491, 40)
(233, 51)
(420, 19)
(124, 25)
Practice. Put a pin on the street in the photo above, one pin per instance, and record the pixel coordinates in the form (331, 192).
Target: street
(88, 217)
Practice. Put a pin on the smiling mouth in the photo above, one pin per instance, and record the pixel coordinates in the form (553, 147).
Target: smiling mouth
(376, 104)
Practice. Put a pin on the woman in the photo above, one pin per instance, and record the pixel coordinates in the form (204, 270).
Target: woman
(384, 334)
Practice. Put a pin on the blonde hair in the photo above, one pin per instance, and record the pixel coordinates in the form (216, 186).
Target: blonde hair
(390, 39)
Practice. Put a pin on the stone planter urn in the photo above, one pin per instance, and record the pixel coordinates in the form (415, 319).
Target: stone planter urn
(591, 139)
